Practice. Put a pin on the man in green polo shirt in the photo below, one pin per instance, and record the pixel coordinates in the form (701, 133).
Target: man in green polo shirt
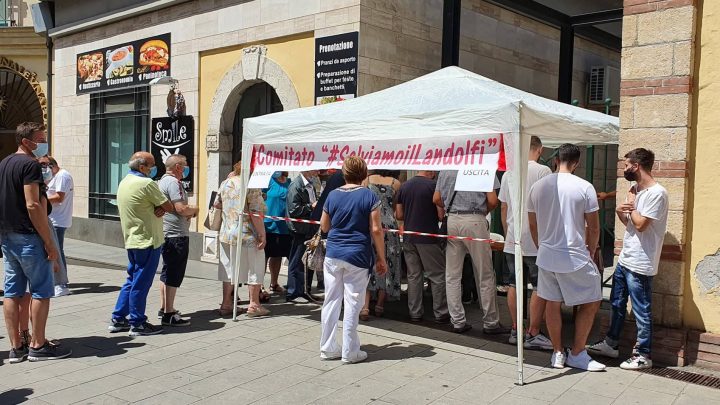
(141, 205)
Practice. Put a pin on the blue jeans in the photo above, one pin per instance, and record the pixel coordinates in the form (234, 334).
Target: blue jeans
(26, 263)
(296, 268)
(143, 264)
(639, 288)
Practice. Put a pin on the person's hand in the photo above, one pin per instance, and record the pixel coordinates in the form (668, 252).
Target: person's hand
(261, 242)
(380, 267)
(314, 204)
(602, 195)
(52, 252)
(631, 195)
(56, 266)
(625, 208)
(592, 252)
(159, 212)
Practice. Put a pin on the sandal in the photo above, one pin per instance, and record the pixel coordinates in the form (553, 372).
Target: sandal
(379, 311)
(257, 312)
(365, 314)
(264, 295)
(277, 288)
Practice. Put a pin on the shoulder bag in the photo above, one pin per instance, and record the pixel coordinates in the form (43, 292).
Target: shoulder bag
(213, 221)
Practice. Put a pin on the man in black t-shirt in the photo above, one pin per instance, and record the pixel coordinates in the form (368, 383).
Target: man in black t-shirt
(423, 254)
(27, 244)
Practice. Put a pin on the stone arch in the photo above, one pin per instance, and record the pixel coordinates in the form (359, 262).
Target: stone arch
(31, 78)
(253, 67)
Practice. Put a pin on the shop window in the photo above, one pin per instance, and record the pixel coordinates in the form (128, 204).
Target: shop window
(119, 125)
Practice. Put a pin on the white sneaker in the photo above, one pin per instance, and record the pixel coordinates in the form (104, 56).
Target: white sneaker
(557, 360)
(356, 357)
(513, 337)
(636, 362)
(601, 348)
(537, 342)
(329, 355)
(61, 291)
(583, 361)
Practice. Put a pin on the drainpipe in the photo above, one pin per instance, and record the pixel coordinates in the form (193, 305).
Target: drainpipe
(49, 44)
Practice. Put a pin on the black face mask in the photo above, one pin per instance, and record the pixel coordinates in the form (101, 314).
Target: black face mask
(630, 175)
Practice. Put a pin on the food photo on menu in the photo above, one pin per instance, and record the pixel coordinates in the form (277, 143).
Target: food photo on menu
(119, 62)
(90, 67)
(154, 57)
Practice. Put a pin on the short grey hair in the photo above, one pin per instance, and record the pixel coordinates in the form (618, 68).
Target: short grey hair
(174, 160)
(137, 162)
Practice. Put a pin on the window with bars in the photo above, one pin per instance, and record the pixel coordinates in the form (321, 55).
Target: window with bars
(119, 127)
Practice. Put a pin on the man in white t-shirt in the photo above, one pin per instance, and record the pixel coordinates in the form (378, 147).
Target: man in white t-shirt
(61, 192)
(562, 210)
(644, 213)
(534, 339)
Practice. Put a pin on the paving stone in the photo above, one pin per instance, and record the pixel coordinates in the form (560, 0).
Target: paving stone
(302, 393)
(464, 369)
(548, 386)
(512, 399)
(574, 397)
(659, 384)
(609, 384)
(169, 398)
(483, 389)
(88, 390)
(360, 392)
(423, 390)
(639, 396)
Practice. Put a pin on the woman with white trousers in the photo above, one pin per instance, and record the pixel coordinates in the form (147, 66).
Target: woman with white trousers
(351, 217)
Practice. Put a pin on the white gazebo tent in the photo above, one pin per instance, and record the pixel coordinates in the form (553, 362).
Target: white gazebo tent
(450, 102)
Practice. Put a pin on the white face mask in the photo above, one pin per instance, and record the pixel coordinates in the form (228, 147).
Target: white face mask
(47, 173)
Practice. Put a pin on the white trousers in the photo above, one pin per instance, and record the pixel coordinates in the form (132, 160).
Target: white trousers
(348, 282)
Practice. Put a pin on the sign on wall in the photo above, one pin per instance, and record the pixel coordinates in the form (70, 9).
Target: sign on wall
(171, 137)
(336, 62)
(124, 65)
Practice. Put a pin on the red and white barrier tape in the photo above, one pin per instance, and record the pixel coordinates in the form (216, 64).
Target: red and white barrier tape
(434, 235)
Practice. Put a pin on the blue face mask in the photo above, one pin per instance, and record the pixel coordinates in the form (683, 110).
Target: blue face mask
(47, 174)
(153, 172)
(186, 171)
(41, 150)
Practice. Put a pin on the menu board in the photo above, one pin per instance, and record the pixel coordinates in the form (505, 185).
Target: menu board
(124, 65)
(336, 63)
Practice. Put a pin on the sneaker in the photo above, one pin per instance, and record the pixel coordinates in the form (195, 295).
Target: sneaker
(146, 329)
(601, 348)
(18, 355)
(61, 291)
(583, 361)
(356, 358)
(119, 325)
(513, 337)
(443, 320)
(161, 313)
(557, 360)
(330, 355)
(461, 329)
(49, 352)
(537, 342)
(174, 319)
(636, 362)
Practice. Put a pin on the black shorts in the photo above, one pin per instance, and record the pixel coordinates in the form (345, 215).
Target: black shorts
(530, 270)
(278, 245)
(175, 256)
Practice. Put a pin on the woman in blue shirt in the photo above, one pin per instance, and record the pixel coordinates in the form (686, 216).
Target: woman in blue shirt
(351, 217)
(278, 236)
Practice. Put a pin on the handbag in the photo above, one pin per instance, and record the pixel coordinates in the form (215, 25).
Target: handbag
(213, 221)
(314, 255)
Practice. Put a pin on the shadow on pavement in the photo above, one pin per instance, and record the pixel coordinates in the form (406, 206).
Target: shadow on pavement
(199, 320)
(15, 396)
(95, 288)
(100, 346)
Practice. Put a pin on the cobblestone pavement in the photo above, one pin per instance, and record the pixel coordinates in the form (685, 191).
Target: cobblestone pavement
(275, 360)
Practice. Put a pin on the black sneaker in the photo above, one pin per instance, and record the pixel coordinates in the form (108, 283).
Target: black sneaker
(498, 330)
(146, 329)
(173, 319)
(118, 325)
(18, 355)
(49, 352)
(161, 313)
(461, 329)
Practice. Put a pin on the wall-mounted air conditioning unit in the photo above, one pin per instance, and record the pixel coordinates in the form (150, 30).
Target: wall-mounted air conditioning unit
(604, 83)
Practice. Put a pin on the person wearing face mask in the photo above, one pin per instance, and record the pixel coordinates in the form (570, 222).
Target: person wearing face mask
(276, 231)
(176, 227)
(27, 245)
(61, 191)
(645, 215)
(301, 200)
(141, 204)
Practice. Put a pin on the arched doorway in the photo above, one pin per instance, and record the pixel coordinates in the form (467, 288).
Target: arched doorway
(19, 103)
(259, 99)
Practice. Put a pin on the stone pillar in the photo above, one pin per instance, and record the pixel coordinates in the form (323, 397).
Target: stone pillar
(655, 113)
